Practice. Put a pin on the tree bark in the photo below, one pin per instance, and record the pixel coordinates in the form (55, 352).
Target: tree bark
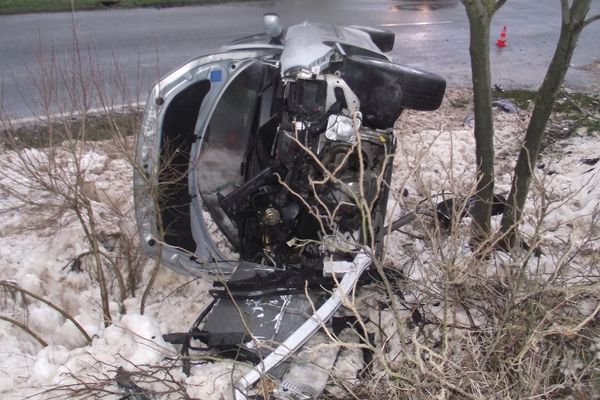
(573, 21)
(480, 13)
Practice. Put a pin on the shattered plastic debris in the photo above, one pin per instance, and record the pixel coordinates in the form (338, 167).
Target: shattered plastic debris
(506, 105)
(590, 161)
(468, 120)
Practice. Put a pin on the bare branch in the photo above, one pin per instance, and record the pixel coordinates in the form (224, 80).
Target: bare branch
(26, 329)
(65, 314)
(499, 4)
(591, 19)
(565, 11)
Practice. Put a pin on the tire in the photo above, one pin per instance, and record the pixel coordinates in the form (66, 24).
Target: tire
(385, 89)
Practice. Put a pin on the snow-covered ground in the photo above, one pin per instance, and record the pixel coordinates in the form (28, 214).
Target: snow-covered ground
(39, 238)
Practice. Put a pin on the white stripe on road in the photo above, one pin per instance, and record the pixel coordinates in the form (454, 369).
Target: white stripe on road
(417, 23)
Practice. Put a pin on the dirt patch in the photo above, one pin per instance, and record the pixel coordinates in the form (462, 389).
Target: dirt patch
(95, 127)
(591, 67)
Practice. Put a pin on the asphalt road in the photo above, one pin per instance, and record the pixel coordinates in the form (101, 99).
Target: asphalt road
(143, 44)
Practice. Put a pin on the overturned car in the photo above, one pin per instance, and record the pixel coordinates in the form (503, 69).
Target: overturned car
(267, 165)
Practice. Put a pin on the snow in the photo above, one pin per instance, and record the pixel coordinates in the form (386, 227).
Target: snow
(435, 155)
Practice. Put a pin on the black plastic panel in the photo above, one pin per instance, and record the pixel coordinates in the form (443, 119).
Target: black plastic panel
(385, 89)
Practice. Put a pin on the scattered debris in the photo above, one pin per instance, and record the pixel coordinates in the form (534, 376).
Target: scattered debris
(505, 105)
(132, 390)
(590, 161)
(468, 120)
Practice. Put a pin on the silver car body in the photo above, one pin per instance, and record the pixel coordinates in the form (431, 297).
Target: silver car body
(216, 147)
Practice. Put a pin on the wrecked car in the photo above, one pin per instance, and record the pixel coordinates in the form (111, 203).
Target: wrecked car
(267, 165)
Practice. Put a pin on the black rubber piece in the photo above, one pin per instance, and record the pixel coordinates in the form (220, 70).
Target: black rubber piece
(385, 89)
(397, 224)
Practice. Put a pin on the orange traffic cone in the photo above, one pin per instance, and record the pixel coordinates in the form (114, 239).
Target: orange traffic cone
(501, 42)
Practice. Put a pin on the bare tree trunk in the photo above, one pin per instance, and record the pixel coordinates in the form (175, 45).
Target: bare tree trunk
(481, 210)
(480, 14)
(573, 22)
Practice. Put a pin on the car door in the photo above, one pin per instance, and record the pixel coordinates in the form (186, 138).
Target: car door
(197, 125)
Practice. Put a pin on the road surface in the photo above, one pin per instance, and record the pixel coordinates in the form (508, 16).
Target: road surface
(142, 44)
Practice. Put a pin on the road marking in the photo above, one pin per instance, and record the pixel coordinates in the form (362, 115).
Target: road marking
(417, 23)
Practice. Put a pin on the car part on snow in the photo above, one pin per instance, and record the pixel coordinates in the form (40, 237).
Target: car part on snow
(275, 145)
(447, 209)
(590, 161)
(506, 105)
(468, 120)
(308, 329)
(246, 323)
(132, 390)
(399, 223)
